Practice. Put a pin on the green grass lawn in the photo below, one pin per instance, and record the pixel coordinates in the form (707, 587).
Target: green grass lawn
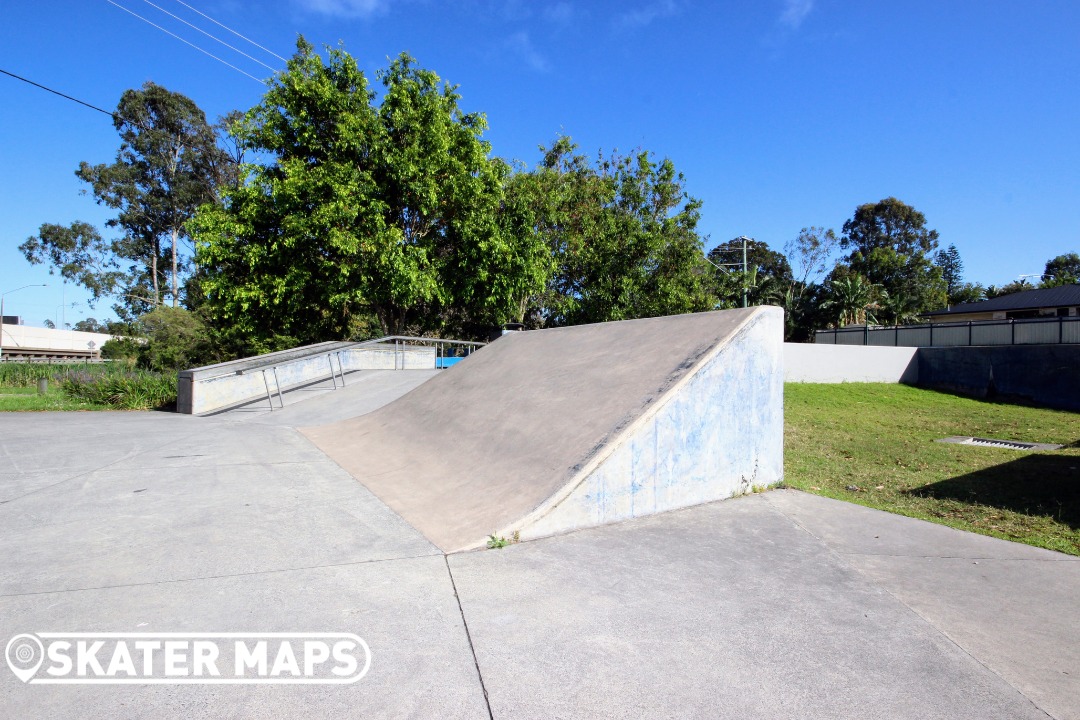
(27, 399)
(873, 444)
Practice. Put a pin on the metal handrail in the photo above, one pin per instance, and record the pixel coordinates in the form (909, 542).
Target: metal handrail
(399, 349)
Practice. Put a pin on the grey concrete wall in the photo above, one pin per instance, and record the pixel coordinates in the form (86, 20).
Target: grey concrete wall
(813, 363)
(217, 387)
(1045, 374)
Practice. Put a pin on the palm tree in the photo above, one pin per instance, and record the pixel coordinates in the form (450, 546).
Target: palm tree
(854, 299)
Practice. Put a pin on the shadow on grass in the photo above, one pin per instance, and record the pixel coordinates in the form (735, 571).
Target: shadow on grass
(1037, 484)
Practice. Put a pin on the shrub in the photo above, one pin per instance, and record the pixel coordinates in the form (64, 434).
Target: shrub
(121, 388)
(24, 374)
(175, 339)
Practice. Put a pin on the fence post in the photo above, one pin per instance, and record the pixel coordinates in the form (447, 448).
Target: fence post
(931, 334)
(969, 333)
(1012, 331)
(1061, 326)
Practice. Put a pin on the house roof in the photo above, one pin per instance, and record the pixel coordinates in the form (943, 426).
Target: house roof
(1061, 296)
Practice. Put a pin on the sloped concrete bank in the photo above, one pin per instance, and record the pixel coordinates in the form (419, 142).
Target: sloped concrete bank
(552, 430)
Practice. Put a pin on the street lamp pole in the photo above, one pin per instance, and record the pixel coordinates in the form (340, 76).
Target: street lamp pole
(8, 292)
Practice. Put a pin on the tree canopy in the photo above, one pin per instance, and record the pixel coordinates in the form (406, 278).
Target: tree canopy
(621, 233)
(168, 164)
(1062, 270)
(370, 216)
(892, 247)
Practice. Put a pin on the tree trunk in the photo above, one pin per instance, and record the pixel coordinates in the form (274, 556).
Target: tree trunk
(154, 275)
(175, 289)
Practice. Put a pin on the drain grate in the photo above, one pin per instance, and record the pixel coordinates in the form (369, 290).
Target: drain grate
(1005, 444)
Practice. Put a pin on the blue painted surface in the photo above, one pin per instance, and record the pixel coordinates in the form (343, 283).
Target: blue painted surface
(720, 435)
(445, 362)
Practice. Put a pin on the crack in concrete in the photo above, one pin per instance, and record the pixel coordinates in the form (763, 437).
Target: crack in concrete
(468, 636)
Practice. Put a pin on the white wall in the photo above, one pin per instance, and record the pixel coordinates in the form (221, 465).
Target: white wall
(25, 336)
(811, 363)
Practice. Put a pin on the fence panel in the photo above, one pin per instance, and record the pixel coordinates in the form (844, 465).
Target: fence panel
(951, 335)
(1035, 331)
(849, 337)
(913, 336)
(881, 337)
(991, 333)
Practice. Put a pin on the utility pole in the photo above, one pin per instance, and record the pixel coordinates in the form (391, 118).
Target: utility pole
(744, 266)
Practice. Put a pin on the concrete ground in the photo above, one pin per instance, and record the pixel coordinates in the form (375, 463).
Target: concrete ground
(778, 605)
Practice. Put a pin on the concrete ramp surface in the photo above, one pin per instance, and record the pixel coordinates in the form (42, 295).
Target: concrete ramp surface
(547, 431)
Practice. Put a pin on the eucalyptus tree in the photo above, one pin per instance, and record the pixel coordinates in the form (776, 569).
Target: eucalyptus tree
(168, 164)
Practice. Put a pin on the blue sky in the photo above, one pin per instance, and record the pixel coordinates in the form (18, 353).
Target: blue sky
(780, 113)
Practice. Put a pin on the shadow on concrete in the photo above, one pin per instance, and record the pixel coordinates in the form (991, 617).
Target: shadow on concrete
(1040, 484)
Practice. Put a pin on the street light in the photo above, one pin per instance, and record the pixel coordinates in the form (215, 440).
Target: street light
(8, 292)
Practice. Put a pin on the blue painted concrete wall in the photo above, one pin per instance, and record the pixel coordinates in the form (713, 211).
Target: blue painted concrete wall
(718, 435)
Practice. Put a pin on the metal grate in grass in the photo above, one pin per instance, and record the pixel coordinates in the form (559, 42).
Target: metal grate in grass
(1004, 444)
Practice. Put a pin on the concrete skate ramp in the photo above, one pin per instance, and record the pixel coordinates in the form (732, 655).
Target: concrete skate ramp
(546, 431)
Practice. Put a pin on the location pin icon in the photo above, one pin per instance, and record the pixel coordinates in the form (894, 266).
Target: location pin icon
(24, 655)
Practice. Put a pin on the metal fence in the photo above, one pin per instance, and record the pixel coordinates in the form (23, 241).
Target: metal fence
(1034, 331)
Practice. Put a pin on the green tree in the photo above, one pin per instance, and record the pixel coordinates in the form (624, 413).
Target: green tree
(809, 255)
(622, 236)
(174, 339)
(1014, 287)
(767, 273)
(952, 270)
(891, 246)
(1061, 270)
(853, 300)
(369, 218)
(168, 164)
(81, 255)
(967, 293)
(91, 325)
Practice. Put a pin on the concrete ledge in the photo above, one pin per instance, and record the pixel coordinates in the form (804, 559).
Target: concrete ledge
(217, 387)
(812, 363)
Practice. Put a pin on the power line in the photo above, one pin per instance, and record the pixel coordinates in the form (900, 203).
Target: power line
(218, 40)
(66, 97)
(186, 42)
(232, 31)
(113, 115)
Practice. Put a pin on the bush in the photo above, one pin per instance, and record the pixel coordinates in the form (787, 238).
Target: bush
(121, 388)
(24, 374)
(121, 348)
(175, 339)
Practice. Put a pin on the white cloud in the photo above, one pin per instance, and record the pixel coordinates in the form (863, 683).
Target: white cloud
(645, 15)
(344, 8)
(795, 11)
(520, 45)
